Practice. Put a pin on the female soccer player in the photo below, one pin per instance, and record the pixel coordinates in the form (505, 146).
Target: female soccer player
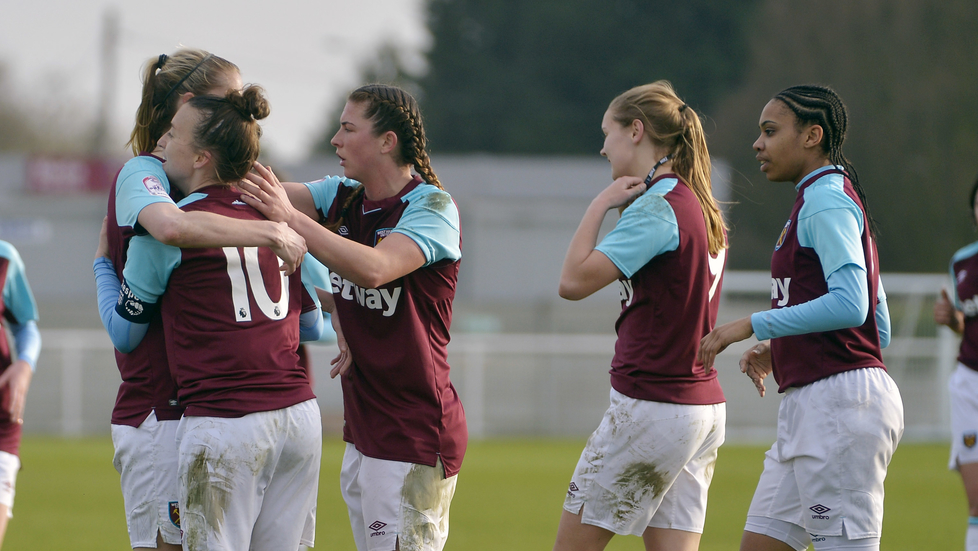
(647, 468)
(18, 313)
(842, 416)
(146, 411)
(250, 439)
(393, 265)
(959, 312)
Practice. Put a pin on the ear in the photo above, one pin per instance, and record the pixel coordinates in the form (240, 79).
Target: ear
(638, 131)
(184, 98)
(813, 136)
(202, 158)
(389, 142)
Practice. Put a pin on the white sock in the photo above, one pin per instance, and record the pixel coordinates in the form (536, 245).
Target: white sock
(971, 540)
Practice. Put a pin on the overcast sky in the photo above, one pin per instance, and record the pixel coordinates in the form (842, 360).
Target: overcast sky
(306, 53)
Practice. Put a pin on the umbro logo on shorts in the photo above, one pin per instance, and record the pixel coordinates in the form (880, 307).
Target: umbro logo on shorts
(820, 511)
(377, 528)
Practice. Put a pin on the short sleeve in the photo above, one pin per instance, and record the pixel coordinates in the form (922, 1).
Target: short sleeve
(17, 296)
(148, 267)
(647, 228)
(141, 183)
(431, 220)
(324, 191)
(831, 223)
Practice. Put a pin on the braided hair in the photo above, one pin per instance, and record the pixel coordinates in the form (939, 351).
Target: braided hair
(814, 104)
(392, 109)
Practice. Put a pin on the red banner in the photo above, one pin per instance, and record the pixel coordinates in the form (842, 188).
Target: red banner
(49, 175)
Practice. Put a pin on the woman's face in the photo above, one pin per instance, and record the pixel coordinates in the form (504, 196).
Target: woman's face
(619, 146)
(179, 151)
(781, 146)
(355, 142)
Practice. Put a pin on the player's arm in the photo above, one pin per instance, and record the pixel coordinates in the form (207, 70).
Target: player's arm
(22, 317)
(882, 316)
(396, 256)
(172, 226)
(125, 332)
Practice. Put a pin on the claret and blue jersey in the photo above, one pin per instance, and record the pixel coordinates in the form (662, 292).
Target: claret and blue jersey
(964, 274)
(399, 403)
(18, 313)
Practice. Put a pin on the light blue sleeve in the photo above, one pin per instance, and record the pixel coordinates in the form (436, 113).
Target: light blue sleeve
(647, 228)
(28, 341)
(313, 325)
(882, 316)
(431, 221)
(832, 224)
(18, 298)
(148, 267)
(845, 305)
(124, 334)
(141, 183)
(324, 191)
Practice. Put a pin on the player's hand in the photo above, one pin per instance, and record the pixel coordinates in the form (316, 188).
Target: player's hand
(756, 363)
(341, 363)
(264, 192)
(621, 192)
(103, 239)
(18, 377)
(720, 338)
(946, 314)
(290, 247)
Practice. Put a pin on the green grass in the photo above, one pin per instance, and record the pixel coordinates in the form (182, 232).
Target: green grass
(509, 497)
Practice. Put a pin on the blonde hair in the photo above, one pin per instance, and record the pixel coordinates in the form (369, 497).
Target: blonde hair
(165, 79)
(669, 122)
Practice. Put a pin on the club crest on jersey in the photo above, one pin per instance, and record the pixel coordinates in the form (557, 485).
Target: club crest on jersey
(381, 234)
(969, 439)
(174, 510)
(784, 232)
(154, 186)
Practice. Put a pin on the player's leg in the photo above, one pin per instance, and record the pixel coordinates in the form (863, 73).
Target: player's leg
(678, 522)
(223, 467)
(353, 494)
(145, 458)
(425, 496)
(288, 508)
(963, 392)
(572, 535)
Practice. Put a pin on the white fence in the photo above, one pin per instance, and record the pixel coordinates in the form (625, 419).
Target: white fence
(541, 384)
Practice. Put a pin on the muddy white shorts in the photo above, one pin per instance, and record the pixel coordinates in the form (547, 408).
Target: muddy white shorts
(395, 503)
(146, 459)
(648, 464)
(835, 440)
(250, 483)
(9, 465)
(963, 387)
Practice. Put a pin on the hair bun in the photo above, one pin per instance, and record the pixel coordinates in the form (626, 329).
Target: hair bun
(250, 103)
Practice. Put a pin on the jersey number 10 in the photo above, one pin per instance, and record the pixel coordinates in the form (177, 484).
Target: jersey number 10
(239, 286)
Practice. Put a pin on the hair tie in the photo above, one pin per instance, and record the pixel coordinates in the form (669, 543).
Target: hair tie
(682, 108)
(161, 61)
(185, 77)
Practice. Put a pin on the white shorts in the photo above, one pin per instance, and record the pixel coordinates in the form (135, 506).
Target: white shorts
(835, 440)
(395, 503)
(146, 459)
(9, 465)
(963, 387)
(648, 464)
(250, 482)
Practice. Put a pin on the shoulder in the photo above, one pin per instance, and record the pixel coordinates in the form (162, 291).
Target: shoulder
(653, 203)
(146, 170)
(9, 252)
(828, 192)
(965, 252)
(431, 198)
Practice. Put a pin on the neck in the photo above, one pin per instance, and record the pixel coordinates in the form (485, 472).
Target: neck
(386, 183)
(812, 167)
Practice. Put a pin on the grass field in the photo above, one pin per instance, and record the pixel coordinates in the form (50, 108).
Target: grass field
(508, 498)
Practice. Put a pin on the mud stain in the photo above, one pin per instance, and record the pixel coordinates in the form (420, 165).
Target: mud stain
(637, 484)
(208, 495)
(437, 201)
(424, 495)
